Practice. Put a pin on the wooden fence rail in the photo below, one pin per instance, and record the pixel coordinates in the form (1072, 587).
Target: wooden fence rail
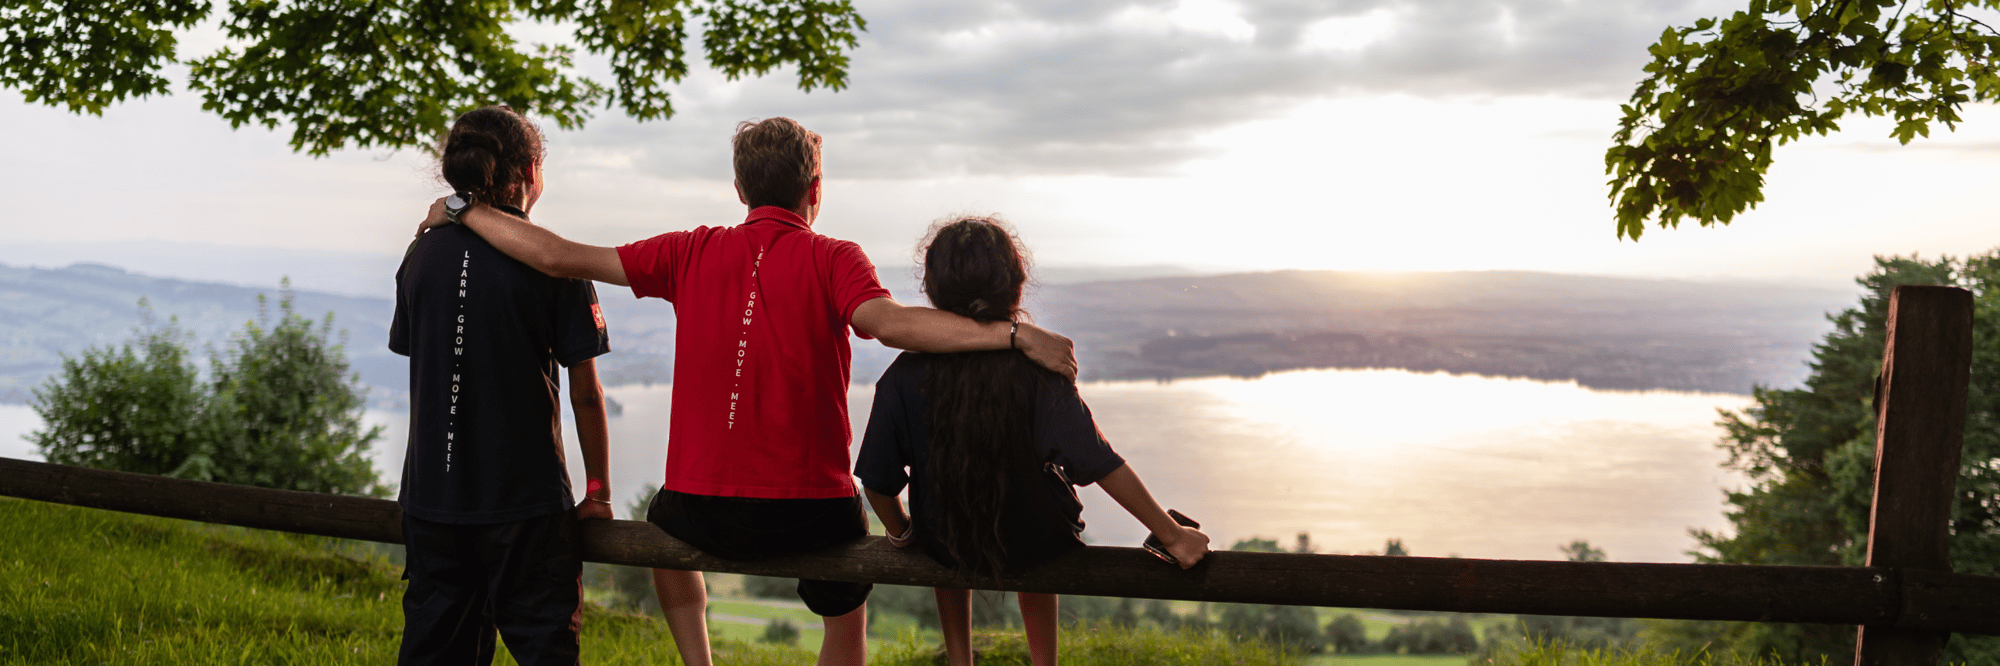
(1906, 601)
(1880, 596)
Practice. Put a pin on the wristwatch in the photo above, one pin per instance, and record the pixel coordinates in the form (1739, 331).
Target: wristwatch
(455, 205)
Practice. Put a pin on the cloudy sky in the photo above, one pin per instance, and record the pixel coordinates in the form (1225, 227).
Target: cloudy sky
(1210, 134)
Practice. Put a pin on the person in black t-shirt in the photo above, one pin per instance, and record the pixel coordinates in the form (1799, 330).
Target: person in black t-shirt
(489, 520)
(988, 444)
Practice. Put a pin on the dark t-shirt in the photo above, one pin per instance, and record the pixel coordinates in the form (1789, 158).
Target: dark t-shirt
(894, 452)
(484, 334)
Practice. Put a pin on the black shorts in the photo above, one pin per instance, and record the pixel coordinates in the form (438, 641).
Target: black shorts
(750, 528)
(521, 579)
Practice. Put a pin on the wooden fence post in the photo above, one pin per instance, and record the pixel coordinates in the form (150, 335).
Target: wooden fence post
(1919, 431)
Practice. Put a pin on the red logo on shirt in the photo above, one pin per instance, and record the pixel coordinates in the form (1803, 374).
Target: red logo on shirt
(597, 313)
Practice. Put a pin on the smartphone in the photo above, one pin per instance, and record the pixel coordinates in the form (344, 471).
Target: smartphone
(1158, 549)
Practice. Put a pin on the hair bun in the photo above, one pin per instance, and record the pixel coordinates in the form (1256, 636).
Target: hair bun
(471, 139)
(487, 152)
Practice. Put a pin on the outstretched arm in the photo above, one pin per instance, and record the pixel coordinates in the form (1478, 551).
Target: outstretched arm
(593, 434)
(537, 247)
(1187, 544)
(939, 332)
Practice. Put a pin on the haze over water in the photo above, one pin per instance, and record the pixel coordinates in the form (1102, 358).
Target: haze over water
(1469, 466)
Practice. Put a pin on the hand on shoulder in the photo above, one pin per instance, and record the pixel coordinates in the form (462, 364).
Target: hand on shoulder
(1047, 348)
(435, 217)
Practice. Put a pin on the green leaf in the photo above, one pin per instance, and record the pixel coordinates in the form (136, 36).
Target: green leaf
(392, 73)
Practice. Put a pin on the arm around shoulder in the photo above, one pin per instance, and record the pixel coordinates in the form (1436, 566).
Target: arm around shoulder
(938, 332)
(542, 249)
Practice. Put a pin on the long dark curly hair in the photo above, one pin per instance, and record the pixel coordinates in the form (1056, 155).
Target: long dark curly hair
(981, 414)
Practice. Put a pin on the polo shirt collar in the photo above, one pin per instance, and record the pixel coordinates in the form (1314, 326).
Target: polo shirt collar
(778, 215)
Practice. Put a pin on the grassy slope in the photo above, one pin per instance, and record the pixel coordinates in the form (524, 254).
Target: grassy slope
(87, 586)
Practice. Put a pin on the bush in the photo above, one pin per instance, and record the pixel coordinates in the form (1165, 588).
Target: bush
(1294, 628)
(1346, 634)
(780, 631)
(766, 587)
(133, 408)
(285, 411)
(280, 409)
(1432, 636)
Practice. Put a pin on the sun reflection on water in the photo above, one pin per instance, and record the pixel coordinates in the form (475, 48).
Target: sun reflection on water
(1464, 465)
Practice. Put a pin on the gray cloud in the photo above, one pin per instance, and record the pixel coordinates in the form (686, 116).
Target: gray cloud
(1065, 87)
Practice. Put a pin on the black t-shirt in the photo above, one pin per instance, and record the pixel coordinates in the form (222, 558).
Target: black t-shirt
(894, 453)
(484, 334)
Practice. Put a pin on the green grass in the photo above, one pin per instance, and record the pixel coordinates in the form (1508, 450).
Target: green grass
(1559, 654)
(1384, 660)
(1379, 622)
(1096, 646)
(82, 586)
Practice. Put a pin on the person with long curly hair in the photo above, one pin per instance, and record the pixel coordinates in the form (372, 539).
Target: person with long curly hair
(989, 445)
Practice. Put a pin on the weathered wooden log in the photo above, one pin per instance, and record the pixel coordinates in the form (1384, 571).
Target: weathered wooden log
(1919, 431)
(1841, 595)
(263, 508)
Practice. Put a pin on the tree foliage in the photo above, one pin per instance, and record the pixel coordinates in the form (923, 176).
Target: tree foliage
(1346, 634)
(279, 409)
(1294, 628)
(285, 411)
(1581, 551)
(1697, 133)
(128, 407)
(392, 73)
(780, 631)
(1809, 453)
(1451, 634)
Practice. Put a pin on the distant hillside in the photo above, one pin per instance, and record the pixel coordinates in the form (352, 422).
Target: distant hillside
(1601, 332)
(45, 313)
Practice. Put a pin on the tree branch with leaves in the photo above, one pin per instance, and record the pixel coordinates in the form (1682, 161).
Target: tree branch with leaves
(392, 73)
(1697, 134)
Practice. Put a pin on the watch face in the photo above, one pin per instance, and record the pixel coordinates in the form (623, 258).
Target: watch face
(456, 203)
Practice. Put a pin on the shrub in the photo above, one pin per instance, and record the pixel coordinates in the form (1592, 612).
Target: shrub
(280, 408)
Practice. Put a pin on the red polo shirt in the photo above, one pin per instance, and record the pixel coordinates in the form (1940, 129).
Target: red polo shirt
(760, 353)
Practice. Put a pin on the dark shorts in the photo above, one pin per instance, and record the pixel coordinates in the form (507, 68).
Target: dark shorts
(521, 579)
(749, 528)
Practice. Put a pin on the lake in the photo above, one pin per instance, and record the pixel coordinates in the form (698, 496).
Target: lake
(1451, 465)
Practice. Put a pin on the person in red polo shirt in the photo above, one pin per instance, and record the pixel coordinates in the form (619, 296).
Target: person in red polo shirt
(757, 456)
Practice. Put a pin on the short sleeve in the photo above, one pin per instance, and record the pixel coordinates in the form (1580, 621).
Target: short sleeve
(1067, 435)
(399, 325)
(853, 281)
(580, 330)
(885, 444)
(649, 264)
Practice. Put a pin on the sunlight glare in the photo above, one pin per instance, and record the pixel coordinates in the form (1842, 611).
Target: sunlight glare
(1211, 17)
(1350, 34)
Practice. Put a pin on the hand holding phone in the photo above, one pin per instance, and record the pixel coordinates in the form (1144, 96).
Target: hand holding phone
(1159, 548)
